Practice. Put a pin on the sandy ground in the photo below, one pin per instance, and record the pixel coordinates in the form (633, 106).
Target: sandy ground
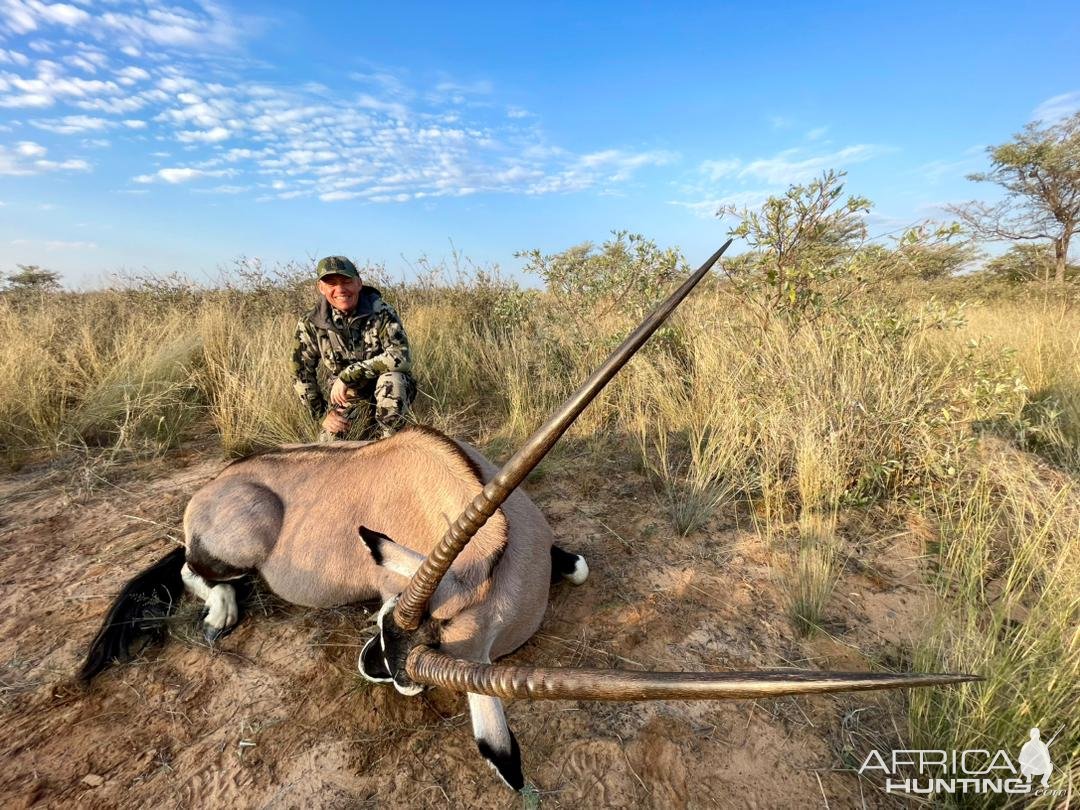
(276, 715)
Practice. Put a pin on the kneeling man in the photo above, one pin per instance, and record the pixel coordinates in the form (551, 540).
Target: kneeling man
(359, 341)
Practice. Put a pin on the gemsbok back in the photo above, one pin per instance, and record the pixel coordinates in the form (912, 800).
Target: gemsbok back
(336, 524)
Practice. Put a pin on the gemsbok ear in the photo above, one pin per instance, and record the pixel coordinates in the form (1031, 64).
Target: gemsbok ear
(388, 554)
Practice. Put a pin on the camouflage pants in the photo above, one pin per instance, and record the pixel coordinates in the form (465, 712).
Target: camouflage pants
(389, 395)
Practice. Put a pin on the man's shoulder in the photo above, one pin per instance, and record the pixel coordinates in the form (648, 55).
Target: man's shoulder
(372, 303)
(316, 318)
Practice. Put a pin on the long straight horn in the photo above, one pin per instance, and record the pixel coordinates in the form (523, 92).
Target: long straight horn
(427, 666)
(413, 600)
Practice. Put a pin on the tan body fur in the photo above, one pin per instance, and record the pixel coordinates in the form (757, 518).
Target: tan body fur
(293, 515)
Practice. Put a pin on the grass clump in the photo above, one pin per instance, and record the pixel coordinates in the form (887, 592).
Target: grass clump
(1008, 586)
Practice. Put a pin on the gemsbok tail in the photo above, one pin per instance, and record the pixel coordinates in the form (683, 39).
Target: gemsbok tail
(139, 610)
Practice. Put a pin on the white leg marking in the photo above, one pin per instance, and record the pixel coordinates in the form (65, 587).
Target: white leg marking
(580, 572)
(196, 585)
(488, 720)
(220, 599)
(222, 603)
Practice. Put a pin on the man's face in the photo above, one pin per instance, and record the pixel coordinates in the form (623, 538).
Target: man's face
(341, 291)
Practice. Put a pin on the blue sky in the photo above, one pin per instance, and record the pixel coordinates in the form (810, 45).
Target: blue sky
(180, 136)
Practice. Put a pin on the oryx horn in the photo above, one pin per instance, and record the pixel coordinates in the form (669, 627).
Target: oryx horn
(413, 601)
(428, 666)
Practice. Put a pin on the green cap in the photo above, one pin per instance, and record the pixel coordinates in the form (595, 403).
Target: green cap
(337, 266)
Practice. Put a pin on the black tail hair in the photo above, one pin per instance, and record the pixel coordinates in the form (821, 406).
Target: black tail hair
(138, 610)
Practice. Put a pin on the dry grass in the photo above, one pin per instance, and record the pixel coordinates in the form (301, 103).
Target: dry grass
(246, 380)
(1009, 586)
(1043, 337)
(859, 408)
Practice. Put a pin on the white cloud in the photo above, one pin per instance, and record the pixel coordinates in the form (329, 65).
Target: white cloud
(209, 136)
(935, 171)
(75, 165)
(765, 176)
(714, 170)
(708, 208)
(26, 100)
(795, 166)
(56, 244)
(60, 13)
(1057, 107)
(334, 196)
(71, 124)
(28, 158)
(181, 175)
(13, 58)
(378, 139)
(30, 149)
(115, 105)
(198, 26)
(19, 19)
(132, 74)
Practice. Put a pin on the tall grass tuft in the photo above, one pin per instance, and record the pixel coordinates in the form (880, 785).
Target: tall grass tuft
(247, 381)
(137, 390)
(819, 554)
(691, 431)
(32, 405)
(1008, 583)
(78, 375)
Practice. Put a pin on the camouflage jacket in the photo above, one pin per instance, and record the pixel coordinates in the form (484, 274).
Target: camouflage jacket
(353, 348)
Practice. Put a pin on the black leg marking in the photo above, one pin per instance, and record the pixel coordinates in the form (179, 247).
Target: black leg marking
(507, 764)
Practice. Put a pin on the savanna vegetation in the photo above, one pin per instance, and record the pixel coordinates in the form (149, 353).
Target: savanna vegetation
(822, 383)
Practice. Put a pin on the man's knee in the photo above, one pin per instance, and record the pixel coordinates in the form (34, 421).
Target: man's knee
(394, 390)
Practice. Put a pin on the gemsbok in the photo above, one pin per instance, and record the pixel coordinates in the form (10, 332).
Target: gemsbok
(335, 524)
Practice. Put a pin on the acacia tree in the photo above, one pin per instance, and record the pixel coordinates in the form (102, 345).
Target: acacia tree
(1040, 172)
(628, 274)
(1027, 262)
(32, 279)
(810, 251)
(801, 247)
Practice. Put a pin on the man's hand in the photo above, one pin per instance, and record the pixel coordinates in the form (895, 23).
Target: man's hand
(334, 422)
(340, 394)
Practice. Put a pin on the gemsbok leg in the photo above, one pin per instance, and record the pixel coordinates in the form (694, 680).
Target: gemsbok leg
(222, 611)
(228, 534)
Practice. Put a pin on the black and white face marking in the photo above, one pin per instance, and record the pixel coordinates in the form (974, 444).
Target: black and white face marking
(409, 689)
(372, 663)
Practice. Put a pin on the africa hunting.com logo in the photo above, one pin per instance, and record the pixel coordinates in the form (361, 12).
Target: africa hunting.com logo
(933, 771)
